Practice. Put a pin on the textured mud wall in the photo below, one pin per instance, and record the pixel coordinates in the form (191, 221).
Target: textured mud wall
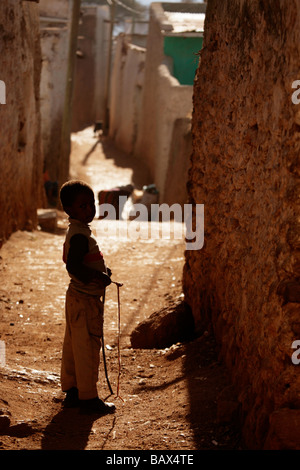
(146, 140)
(54, 45)
(127, 82)
(90, 72)
(245, 169)
(164, 101)
(20, 143)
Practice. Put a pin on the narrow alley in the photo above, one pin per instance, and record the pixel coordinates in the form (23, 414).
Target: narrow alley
(168, 398)
(199, 102)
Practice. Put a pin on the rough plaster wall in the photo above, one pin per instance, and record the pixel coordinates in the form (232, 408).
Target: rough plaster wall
(126, 94)
(164, 102)
(90, 71)
(54, 8)
(178, 163)
(174, 101)
(146, 141)
(245, 169)
(85, 78)
(20, 143)
(54, 45)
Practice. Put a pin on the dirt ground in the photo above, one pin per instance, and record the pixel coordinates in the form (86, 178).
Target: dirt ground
(167, 398)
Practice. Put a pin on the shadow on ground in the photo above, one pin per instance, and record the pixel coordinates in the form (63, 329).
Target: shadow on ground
(207, 378)
(140, 176)
(70, 430)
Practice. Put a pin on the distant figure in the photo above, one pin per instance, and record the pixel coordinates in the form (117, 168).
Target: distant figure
(51, 189)
(98, 127)
(89, 277)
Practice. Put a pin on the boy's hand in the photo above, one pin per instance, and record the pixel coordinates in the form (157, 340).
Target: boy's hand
(104, 279)
(109, 273)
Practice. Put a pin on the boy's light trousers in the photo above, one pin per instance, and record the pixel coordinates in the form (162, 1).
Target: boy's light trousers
(82, 343)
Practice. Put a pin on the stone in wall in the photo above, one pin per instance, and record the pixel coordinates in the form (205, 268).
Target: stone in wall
(164, 327)
(20, 140)
(245, 170)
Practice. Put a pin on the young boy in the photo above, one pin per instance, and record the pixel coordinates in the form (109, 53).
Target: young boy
(84, 308)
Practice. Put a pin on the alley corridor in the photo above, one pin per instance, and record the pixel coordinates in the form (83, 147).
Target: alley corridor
(169, 398)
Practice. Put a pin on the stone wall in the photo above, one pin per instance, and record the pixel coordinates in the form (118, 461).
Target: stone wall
(244, 283)
(20, 136)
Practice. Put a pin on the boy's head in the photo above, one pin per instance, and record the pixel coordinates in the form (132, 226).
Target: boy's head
(78, 201)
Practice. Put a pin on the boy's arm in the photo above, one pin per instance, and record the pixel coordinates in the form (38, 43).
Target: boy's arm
(79, 247)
